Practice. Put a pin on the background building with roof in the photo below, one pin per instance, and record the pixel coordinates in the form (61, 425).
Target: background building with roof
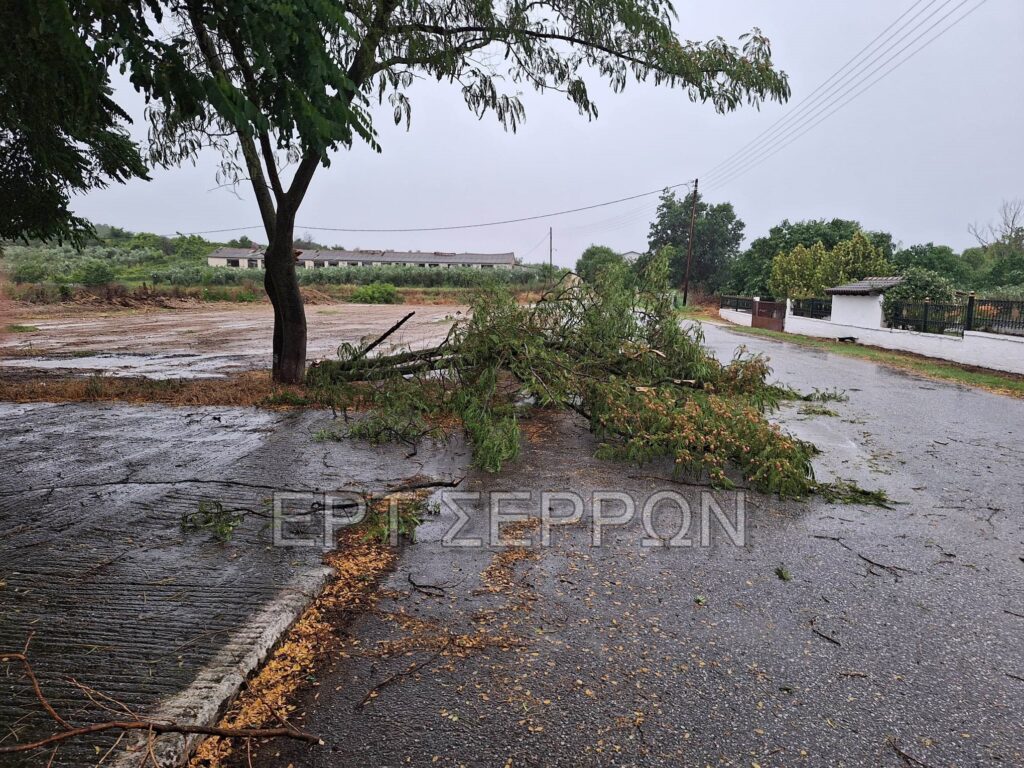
(252, 258)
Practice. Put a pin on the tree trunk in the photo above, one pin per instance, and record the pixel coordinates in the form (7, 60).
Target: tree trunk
(282, 286)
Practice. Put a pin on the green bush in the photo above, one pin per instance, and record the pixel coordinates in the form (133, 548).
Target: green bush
(30, 271)
(1004, 292)
(376, 293)
(918, 284)
(94, 272)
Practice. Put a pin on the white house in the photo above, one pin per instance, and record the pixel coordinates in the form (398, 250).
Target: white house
(860, 303)
(252, 258)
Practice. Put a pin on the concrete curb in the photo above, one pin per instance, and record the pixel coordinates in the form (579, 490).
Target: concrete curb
(219, 682)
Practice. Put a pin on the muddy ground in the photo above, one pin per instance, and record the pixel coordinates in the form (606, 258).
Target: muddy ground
(198, 341)
(835, 635)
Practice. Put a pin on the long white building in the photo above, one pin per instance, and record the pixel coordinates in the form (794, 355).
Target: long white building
(252, 258)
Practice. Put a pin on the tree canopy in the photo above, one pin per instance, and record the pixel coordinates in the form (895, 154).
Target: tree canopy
(806, 272)
(60, 130)
(752, 271)
(596, 259)
(276, 88)
(718, 234)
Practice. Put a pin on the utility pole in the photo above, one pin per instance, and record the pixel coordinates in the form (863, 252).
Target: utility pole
(551, 250)
(689, 243)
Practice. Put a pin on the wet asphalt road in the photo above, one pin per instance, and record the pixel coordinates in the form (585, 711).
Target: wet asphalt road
(898, 639)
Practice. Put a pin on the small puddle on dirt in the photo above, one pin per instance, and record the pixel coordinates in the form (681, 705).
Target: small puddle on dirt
(159, 366)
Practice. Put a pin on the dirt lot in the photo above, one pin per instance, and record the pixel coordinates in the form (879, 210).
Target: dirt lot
(197, 341)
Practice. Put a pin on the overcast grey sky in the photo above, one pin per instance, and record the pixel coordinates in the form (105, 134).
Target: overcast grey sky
(931, 148)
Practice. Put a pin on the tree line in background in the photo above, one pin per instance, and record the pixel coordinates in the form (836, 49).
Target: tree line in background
(115, 255)
(801, 259)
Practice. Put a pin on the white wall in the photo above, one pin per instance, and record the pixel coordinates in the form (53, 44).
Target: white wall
(740, 318)
(986, 350)
(862, 311)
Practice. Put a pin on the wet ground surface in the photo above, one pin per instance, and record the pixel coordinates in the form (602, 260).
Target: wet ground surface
(896, 637)
(99, 578)
(202, 342)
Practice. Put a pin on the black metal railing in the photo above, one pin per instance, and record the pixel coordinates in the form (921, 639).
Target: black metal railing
(995, 316)
(928, 317)
(820, 309)
(738, 303)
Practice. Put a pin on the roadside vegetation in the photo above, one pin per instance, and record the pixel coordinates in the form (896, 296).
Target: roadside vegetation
(120, 267)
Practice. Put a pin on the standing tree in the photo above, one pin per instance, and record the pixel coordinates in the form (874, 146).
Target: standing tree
(934, 258)
(752, 270)
(716, 238)
(806, 272)
(276, 85)
(595, 259)
(794, 273)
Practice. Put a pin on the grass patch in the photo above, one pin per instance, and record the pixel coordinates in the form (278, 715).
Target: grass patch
(22, 329)
(289, 398)
(212, 517)
(994, 381)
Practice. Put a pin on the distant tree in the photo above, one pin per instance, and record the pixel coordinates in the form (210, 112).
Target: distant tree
(60, 132)
(283, 85)
(240, 242)
(191, 247)
(852, 259)
(1009, 230)
(999, 259)
(716, 240)
(307, 243)
(806, 272)
(794, 273)
(596, 259)
(94, 272)
(940, 259)
(752, 271)
(149, 240)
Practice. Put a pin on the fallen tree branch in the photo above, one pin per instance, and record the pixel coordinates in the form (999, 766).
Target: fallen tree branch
(380, 339)
(23, 659)
(410, 670)
(156, 726)
(136, 724)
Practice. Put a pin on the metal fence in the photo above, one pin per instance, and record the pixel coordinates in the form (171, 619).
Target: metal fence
(738, 303)
(928, 317)
(995, 316)
(820, 309)
(986, 315)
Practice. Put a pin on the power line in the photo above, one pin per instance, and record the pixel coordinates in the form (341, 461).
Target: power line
(789, 138)
(819, 92)
(463, 226)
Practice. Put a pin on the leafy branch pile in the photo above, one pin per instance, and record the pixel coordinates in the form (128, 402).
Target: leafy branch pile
(613, 351)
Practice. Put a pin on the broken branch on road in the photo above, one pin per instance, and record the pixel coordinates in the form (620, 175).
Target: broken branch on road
(150, 726)
(612, 351)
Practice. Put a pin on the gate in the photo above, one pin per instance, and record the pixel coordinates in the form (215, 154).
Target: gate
(769, 314)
